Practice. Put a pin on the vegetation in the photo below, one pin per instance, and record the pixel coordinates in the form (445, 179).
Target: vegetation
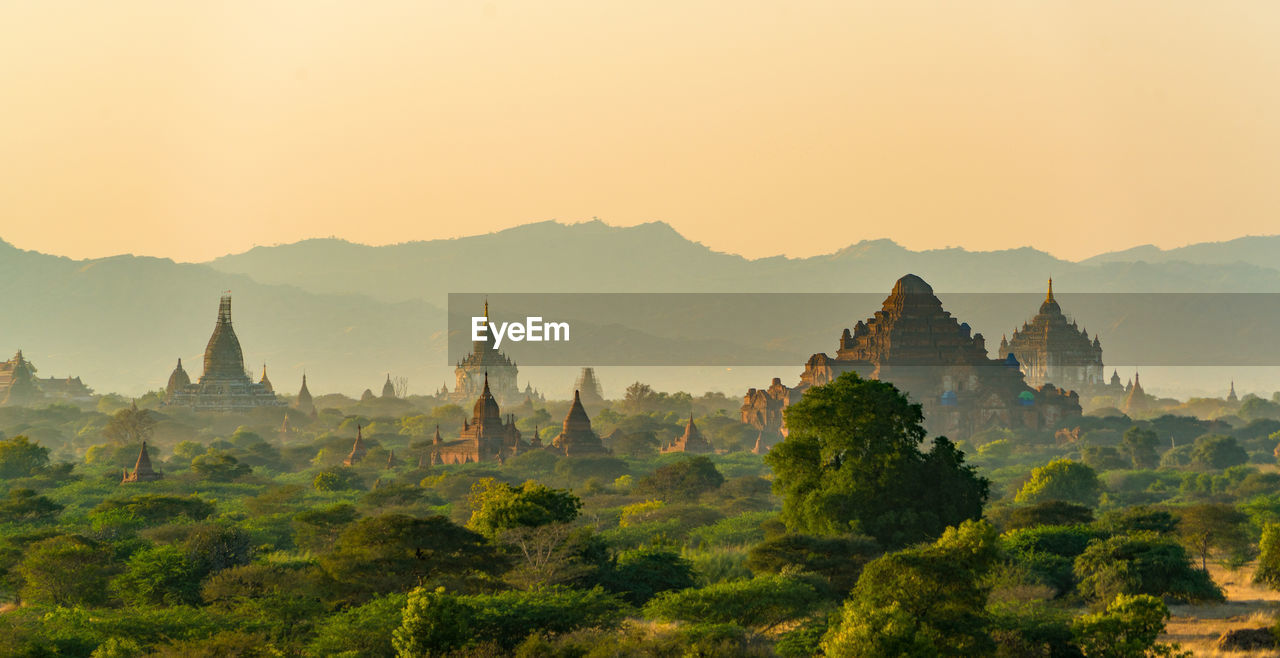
(860, 535)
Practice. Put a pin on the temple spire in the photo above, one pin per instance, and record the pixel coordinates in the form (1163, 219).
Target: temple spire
(1049, 297)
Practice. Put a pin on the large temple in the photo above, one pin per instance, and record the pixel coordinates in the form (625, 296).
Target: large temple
(918, 346)
(224, 385)
(485, 365)
(20, 386)
(487, 436)
(1052, 349)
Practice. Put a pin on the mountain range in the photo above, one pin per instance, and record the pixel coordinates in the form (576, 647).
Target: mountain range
(347, 314)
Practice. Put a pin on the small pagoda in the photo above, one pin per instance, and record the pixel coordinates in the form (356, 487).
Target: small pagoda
(142, 471)
(690, 441)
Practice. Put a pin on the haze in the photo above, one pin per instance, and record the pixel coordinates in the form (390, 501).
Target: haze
(190, 130)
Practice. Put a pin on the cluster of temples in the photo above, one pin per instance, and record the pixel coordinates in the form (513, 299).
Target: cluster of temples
(224, 385)
(918, 346)
(20, 386)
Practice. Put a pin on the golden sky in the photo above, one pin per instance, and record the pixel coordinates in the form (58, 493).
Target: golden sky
(194, 129)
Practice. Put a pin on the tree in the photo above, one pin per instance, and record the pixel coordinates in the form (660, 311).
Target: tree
(1049, 512)
(838, 560)
(318, 528)
(154, 509)
(852, 462)
(337, 479)
(1062, 479)
(1141, 563)
(65, 570)
(497, 506)
(363, 630)
(684, 479)
(639, 399)
(130, 426)
(1206, 527)
(922, 601)
(19, 457)
(1127, 629)
(219, 466)
(436, 622)
(159, 575)
(212, 547)
(641, 573)
(25, 506)
(1268, 571)
(1216, 452)
(762, 602)
(1104, 458)
(1141, 446)
(287, 597)
(396, 552)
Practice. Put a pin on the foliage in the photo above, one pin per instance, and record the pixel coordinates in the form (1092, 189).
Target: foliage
(851, 462)
(25, 506)
(838, 560)
(1216, 452)
(19, 457)
(922, 601)
(640, 574)
(336, 479)
(681, 480)
(1048, 512)
(1141, 563)
(65, 570)
(435, 622)
(1127, 629)
(152, 509)
(1141, 446)
(363, 630)
(158, 575)
(1213, 526)
(396, 552)
(497, 506)
(1062, 479)
(1268, 571)
(763, 602)
(219, 466)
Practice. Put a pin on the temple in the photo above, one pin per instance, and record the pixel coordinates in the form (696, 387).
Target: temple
(486, 437)
(576, 438)
(358, 449)
(918, 346)
(142, 471)
(484, 364)
(589, 387)
(224, 385)
(389, 389)
(19, 385)
(690, 441)
(303, 402)
(1051, 349)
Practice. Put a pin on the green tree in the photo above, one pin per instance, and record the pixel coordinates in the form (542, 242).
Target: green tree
(1268, 571)
(1212, 526)
(684, 479)
(1127, 629)
(837, 560)
(1049, 512)
(159, 575)
(1141, 446)
(1104, 458)
(1216, 452)
(1062, 479)
(212, 547)
(396, 552)
(762, 602)
(852, 462)
(130, 426)
(219, 466)
(436, 622)
(286, 599)
(1141, 563)
(497, 506)
(25, 506)
(922, 601)
(153, 509)
(640, 574)
(363, 630)
(65, 570)
(19, 457)
(318, 528)
(337, 479)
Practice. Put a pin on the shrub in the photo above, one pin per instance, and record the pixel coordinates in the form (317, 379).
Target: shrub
(762, 602)
(1142, 563)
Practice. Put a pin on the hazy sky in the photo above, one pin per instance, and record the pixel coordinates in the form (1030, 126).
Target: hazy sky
(193, 129)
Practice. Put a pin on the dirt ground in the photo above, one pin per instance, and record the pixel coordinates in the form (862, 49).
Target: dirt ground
(1197, 627)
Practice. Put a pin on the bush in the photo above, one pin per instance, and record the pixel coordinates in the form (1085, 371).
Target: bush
(762, 602)
(838, 560)
(437, 622)
(685, 479)
(1268, 571)
(1142, 563)
(1062, 479)
(1128, 628)
(640, 574)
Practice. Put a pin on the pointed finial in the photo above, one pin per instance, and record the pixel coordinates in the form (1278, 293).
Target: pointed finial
(1049, 297)
(486, 307)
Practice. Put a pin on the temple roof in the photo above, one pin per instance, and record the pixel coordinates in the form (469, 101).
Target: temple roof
(223, 358)
(486, 407)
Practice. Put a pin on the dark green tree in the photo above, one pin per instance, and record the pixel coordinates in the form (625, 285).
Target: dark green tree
(681, 480)
(159, 576)
(1216, 452)
(1141, 446)
(1049, 512)
(1142, 563)
(837, 560)
(852, 463)
(219, 466)
(25, 506)
(19, 457)
(66, 570)
(1268, 571)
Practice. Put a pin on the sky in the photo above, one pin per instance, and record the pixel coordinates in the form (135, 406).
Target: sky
(194, 129)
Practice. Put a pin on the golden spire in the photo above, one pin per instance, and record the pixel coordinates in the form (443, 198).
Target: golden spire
(1049, 298)
(486, 307)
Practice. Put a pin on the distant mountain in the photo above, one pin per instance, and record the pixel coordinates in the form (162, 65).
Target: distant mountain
(596, 257)
(1258, 250)
(348, 313)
